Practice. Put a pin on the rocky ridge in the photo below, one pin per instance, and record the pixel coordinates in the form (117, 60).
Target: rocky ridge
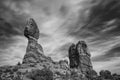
(80, 66)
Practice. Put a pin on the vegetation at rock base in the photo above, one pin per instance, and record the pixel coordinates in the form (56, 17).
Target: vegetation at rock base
(106, 75)
(44, 74)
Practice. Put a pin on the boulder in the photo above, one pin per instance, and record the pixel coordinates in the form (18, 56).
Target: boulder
(31, 29)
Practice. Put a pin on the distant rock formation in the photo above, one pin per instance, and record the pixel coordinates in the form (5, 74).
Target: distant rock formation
(73, 57)
(79, 57)
(84, 57)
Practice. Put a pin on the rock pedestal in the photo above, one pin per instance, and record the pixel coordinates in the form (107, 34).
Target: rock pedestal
(34, 51)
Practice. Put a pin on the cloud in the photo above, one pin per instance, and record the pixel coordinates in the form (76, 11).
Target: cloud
(12, 21)
(61, 23)
(112, 50)
(14, 52)
(108, 65)
(103, 22)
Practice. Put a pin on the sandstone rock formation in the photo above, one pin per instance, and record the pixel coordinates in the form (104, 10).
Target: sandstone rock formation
(34, 51)
(80, 57)
(84, 57)
(73, 56)
(35, 61)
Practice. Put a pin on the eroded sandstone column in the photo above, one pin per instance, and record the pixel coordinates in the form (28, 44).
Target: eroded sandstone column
(34, 50)
(73, 56)
(84, 57)
(79, 57)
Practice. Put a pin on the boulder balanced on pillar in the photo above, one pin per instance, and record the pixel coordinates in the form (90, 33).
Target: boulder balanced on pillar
(34, 50)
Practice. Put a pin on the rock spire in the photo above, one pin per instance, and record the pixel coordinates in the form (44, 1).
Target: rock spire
(79, 57)
(34, 50)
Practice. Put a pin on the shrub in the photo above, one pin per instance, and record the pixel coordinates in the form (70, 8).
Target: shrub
(44, 74)
(105, 74)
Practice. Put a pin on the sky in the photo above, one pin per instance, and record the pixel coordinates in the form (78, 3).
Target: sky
(61, 23)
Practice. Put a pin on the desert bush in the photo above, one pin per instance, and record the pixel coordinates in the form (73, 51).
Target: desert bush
(44, 74)
(105, 74)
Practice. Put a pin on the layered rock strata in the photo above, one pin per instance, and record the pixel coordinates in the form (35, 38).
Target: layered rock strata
(79, 57)
(34, 51)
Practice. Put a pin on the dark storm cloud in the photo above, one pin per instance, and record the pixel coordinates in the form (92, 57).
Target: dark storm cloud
(105, 15)
(98, 20)
(104, 21)
(113, 52)
(11, 13)
(12, 21)
(6, 29)
(99, 25)
(105, 10)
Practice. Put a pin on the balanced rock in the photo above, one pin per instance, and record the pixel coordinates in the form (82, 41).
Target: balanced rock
(34, 51)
